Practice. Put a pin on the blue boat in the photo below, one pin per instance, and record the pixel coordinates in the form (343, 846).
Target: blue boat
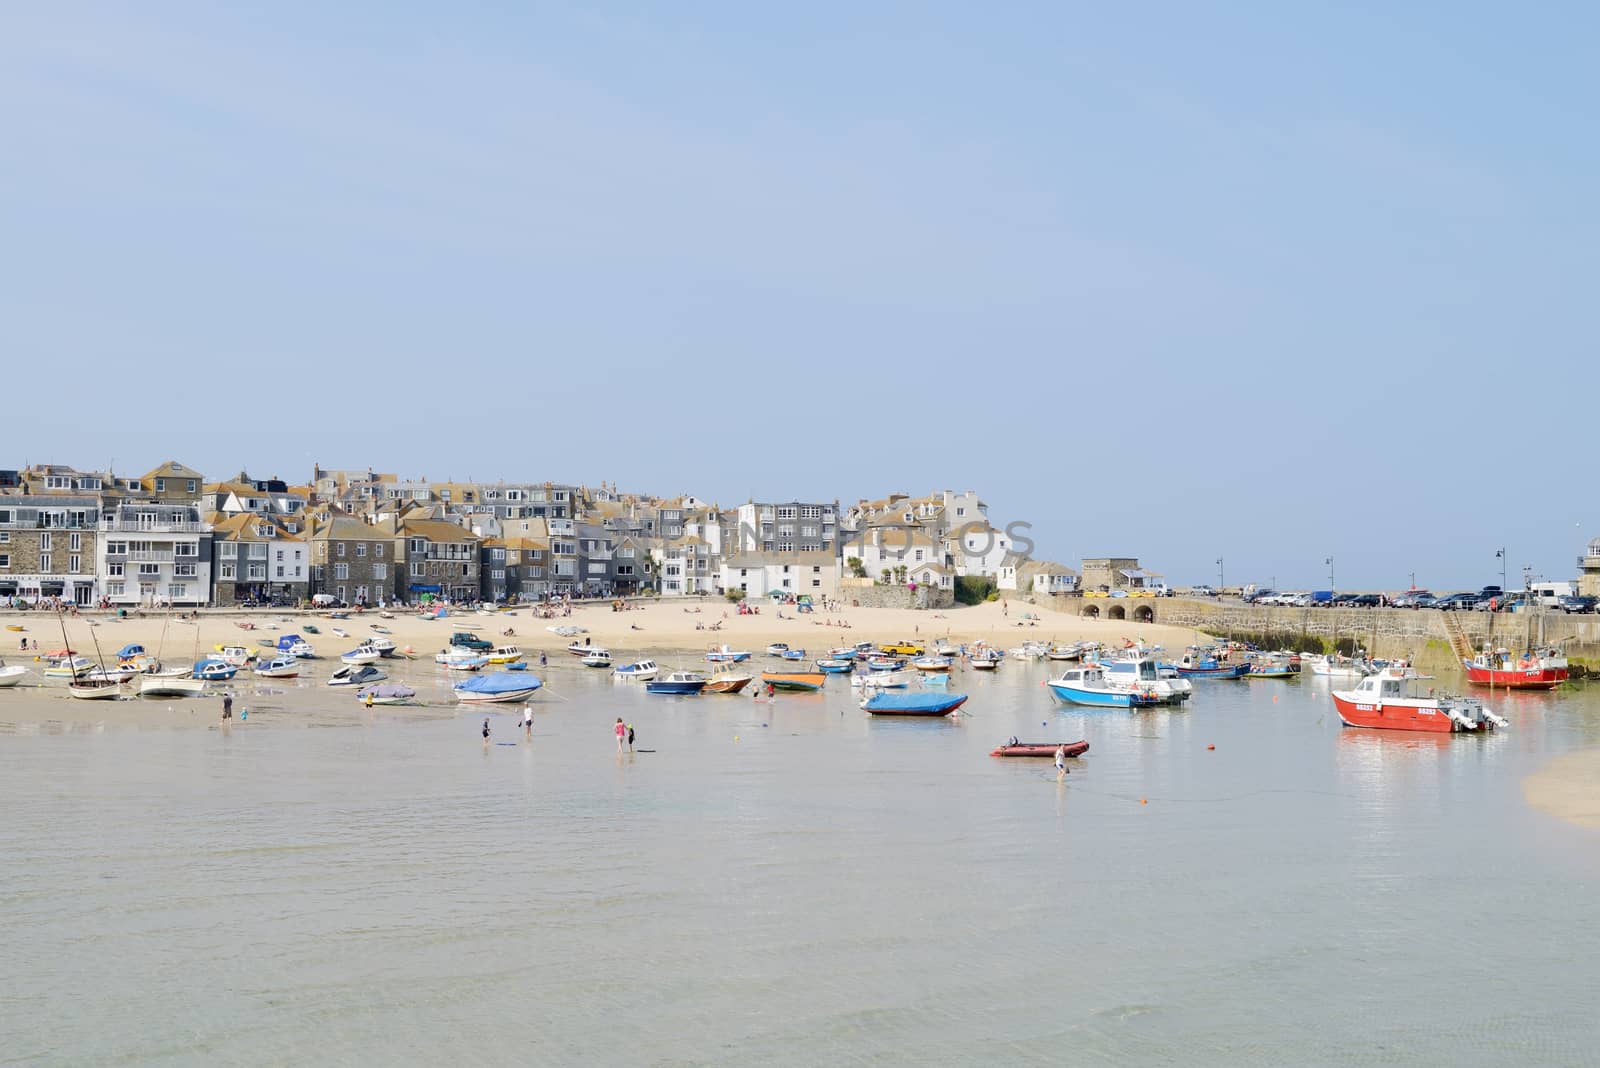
(497, 686)
(886, 663)
(679, 682)
(296, 646)
(913, 704)
(833, 666)
(131, 649)
(1207, 667)
(793, 654)
(214, 670)
(1088, 686)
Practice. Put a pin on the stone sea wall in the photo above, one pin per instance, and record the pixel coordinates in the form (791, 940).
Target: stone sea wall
(896, 597)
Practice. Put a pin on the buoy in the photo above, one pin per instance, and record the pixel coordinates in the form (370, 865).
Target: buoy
(1210, 747)
(1144, 801)
(736, 737)
(1274, 698)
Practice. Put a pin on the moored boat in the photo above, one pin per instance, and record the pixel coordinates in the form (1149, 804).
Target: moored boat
(101, 689)
(237, 655)
(678, 682)
(639, 671)
(166, 686)
(793, 680)
(361, 654)
(883, 680)
(1141, 672)
(211, 669)
(1273, 666)
(1205, 664)
(830, 666)
(388, 693)
(599, 658)
(728, 682)
(1395, 700)
(777, 649)
(932, 663)
(356, 675)
(497, 687)
(461, 660)
(279, 667)
(913, 704)
(1087, 685)
(504, 654)
(724, 655)
(296, 647)
(1537, 669)
(1038, 749)
(10, 675)
(65, 664)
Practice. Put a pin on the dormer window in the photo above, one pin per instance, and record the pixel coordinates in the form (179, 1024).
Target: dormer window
(264, 530)
(161, 485)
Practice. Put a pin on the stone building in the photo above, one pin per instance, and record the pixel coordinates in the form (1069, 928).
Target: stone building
(259, 557)
(355, 561)
(47, 547)
(1107, 573)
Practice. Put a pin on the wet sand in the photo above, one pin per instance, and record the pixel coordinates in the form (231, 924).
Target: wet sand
(1568, 788)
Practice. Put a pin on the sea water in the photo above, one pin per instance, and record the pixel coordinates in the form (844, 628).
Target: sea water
(793, 882)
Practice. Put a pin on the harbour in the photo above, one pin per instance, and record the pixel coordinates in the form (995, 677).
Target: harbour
(793, 880)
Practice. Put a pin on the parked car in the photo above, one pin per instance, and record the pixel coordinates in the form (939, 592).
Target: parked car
(1202, 591)
(1295, 600)
(1360, 600)
(1577, 604)
(1414, 599)
(1261, 597)
(465, 639)
(1456, 601)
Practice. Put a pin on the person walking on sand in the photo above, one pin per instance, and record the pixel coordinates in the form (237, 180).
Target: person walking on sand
(486, 734)
(621, 732)
(1061, 762)
(227, 706)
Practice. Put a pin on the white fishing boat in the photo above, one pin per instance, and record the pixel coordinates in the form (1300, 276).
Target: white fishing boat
(10, 675)
(642, 671)
(504, 654)
(85, 689)
(383, 645)
(169, 686)
(461, 660)
(279, 667)
(237, 655)
(883, 680)
(65, 665)
(599, 658)
(361, 654)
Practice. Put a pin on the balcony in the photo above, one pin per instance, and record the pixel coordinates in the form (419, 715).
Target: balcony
(149, 556)
(1589, 563)
(133, 526)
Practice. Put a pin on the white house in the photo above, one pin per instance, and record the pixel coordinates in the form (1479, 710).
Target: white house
(976, 548)
(1046, 577)
(759, 574)
(935, 575)
(154, 552)
(882, 549)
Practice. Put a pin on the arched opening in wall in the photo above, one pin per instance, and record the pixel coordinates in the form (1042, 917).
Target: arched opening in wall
(1091, 610)
(1117, 612)
(1144, 614)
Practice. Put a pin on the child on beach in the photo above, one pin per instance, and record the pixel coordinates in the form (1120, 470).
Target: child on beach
(486, 734)
(630, 737)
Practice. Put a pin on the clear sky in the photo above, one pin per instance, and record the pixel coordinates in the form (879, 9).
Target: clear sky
(1254, 280)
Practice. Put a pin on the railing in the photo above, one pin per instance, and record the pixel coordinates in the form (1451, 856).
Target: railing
(126, 526)
(1589, 563)
(150, 556)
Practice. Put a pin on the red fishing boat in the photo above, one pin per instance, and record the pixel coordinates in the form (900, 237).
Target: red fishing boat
(1395, 700)
(1039, 749)
(1537, 669)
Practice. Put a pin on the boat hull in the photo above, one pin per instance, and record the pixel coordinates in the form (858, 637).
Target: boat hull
(1046, 750)
(1100, 698)
(795, 680)
(1529, 679)
(1224, 671)
(683, 688)
(728, 685)
(1394, 717)
(501, 697)
(913, 704)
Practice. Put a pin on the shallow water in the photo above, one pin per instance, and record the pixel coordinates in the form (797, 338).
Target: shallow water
(796, 883)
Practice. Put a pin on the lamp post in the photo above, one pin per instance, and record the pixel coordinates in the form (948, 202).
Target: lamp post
(1329, 562)
(1500, 553)
(1220, 583)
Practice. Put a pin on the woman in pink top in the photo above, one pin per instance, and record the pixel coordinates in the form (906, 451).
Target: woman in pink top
(622, 733)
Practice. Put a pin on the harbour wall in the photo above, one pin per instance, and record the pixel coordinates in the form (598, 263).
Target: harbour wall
(895, 596)
(1417, 633)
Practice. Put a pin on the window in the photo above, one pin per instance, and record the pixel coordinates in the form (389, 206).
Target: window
(815, 583)
(497, 574)
(114, 589)
(341, 571)
(161, 485)
(280, 571)
(377, 550)
(230, 550)
(115, 570)
(280, 556)
(186, 548)
(297, 554)
(258, 551)
(498, 554)
(960, 512)
(186, 571)
(417, 569)
(44, 542)
(44, 561)
(191, 485)
(380, 571)
(339, 550)
(5, 560)
(816, 569)
(361, 550)
(74, 563)
(785, 583)
(5, 536)
(75, 542)
(146, 570)
(177, 591)
(226, 572)
(338, 591)
(258, 571)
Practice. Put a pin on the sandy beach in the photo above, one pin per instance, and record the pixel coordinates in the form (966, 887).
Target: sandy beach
(1566, 788)
(668, 631)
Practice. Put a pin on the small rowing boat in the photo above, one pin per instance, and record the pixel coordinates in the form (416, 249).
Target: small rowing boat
(1038, 749)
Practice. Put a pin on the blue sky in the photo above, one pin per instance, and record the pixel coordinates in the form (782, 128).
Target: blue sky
(1270, 282)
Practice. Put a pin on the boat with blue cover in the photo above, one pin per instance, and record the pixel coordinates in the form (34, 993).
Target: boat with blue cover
(913, 704)
(497, 686)
(213, 670)
(296, 646)
(1088, 686)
